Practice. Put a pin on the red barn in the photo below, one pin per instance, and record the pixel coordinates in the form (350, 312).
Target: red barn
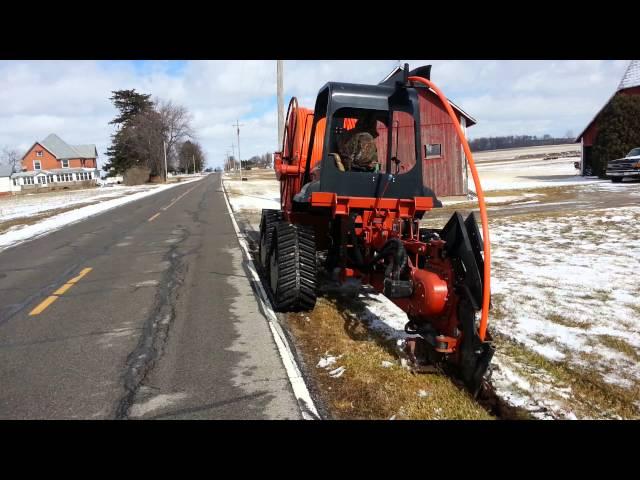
(629, 85)
(445, 164)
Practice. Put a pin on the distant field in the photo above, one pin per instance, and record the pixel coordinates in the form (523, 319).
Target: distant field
(513, 153)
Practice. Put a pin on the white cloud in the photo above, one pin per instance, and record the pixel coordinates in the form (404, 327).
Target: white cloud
(71, 98)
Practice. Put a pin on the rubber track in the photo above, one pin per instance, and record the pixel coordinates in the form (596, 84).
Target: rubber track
(267, 222)
(296, 250)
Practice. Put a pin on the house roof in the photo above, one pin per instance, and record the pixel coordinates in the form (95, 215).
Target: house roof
(630, 79)
(70, 170)
(398, 72)
(86, 151)
(631, 76)
(5, 170)
(58, 147)
(31, 173)
(53, 171)
(62, 150)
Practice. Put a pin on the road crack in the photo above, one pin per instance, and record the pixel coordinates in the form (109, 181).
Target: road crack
(155, 331)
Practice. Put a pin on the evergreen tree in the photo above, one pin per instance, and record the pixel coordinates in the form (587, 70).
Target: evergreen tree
(129, 104)
(618, 131)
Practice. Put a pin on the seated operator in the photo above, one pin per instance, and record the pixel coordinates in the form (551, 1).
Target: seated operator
(357, 147)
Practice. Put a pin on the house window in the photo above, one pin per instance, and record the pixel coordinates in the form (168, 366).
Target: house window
(65, 163)
(37, 165)
(433, 150)
(28, 180)
(90, 175)
(50, 178)
(38, 153)
(15, 181)
(42, 180)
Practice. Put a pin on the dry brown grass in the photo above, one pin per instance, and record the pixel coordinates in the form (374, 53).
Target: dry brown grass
(567, 322)
(620, 345)
(635, 307)
(367, 390)
(543, 339)
(497, 311)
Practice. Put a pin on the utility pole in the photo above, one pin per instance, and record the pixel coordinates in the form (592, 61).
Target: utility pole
(238, 125)
(166, 173)
(233, 153)
(280, 73)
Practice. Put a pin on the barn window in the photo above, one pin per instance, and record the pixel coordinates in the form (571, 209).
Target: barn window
(37, 165)
(65, 163)
(433, 150)
(39, 153)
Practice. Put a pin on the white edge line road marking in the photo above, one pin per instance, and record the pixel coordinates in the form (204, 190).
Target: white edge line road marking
(305, 403)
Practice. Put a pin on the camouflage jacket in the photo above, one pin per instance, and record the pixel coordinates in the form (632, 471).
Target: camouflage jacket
(358, 151)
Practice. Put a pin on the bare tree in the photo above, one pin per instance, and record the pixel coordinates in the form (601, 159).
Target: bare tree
(147, 133)
(190, 156)
(10, 156)
(176, 120)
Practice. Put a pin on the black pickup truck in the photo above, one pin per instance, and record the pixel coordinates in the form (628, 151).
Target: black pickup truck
(627, 167)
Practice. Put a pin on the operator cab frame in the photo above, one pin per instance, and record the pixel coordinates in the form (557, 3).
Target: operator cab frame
(336, 102)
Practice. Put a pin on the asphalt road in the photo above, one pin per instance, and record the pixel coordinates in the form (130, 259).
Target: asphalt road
(165, 325)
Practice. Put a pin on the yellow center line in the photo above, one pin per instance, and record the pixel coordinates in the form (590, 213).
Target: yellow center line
(47, 301)
(164, 209)
(173, 202)
(83, 272)
(63, 289)
(52, 298)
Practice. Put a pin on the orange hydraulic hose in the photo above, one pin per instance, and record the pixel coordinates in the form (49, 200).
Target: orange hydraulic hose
(483, 210)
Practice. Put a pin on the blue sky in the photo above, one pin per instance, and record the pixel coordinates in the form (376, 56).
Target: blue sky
(71, 98)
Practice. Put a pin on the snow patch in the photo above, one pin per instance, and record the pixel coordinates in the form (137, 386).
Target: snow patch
(155, 403)
(15, 236)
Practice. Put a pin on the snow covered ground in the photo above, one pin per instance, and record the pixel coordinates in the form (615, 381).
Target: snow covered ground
(515, 153)
(256, 194)
(105, 199)
(18, 206)
(536, 173)
(566, 287)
